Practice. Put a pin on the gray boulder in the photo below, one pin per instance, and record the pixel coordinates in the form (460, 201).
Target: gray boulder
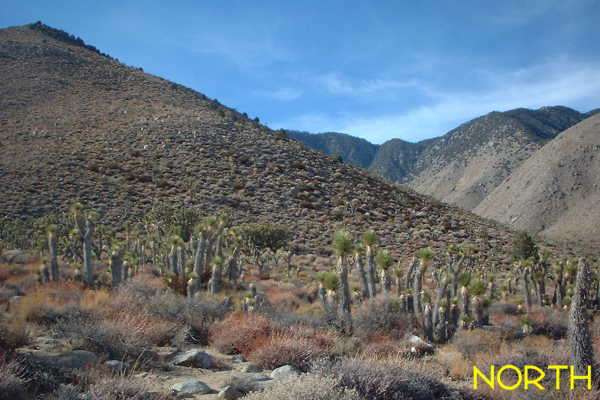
(194, 358)
(190, 387)
(229, 393)
(285, 371)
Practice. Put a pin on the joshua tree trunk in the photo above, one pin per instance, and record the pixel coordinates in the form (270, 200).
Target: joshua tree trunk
(88, 266)
(371, 272)
(173, 260)
(465, 302)
(527, 290)
(215, 280)
(116, 266)
(580, 342)
(344, 302)
(125, 271)
(362, 275)
(386, 282)
(417, 288)
(54, 271)
(199, 255)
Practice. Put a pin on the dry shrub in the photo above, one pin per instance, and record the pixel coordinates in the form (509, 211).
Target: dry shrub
(458, 367)
(382, 381)
(308, 386)
(284, 299)
(239, 332)
(381, 315)
(12, 381)
(295, 346)
(122, 336)
(123, 389)
(197, 315)
(468, 343)
(504, 308)
(550, 323)
(49, 303)
(13, 334)
(384, 348)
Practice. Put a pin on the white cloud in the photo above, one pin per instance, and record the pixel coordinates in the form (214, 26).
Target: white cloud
(333, 83)
(281, 94)
(558, 83)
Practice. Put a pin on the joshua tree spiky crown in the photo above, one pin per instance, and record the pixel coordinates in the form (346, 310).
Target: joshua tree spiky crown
(342, 243)
(384, 259)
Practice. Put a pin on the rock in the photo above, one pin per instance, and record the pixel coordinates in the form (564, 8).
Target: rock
(229, 393)
(238, 359)
(115, 365)
(419, 346)
(252, 377)
(14, 257)
(190, 387)
(285, 371)
(251, 368)
(194, 358)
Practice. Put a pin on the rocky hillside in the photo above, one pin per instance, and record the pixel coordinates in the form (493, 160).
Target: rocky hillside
(557, 190)
(465, 165)
(78, 125)
(396, 158)
(352, 149)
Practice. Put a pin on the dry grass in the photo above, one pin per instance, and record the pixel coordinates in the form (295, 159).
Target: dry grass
(239, 332)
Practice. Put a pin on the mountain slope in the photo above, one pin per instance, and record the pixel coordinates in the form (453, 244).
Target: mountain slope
(77, 125)
(465, 165)
(557, 190)
(352, 149)
(396, 158)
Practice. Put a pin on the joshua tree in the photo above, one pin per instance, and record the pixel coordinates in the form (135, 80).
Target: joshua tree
(54, 271)
(342, 245)
(116, 265)
(358, 261)
(384, 262)
(88, 265)
(214, 284)
(369, 243)
(580, 342)
(425, 256)
(193, 285)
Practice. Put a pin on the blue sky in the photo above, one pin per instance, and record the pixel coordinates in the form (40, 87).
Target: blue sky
(374, 69)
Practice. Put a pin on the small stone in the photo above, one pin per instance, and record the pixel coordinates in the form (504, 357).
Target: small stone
(285, 371)
(229, 393)
(191, 387)
(115, 365)
(251, 368)
(238, 359)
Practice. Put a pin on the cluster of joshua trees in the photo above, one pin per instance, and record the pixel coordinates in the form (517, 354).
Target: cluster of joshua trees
(459, 290)
(439, 293)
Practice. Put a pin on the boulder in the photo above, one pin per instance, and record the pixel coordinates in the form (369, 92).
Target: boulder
(419, 346)
(285, 371)
(194, 358)
(229, 393)
(190, 388)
